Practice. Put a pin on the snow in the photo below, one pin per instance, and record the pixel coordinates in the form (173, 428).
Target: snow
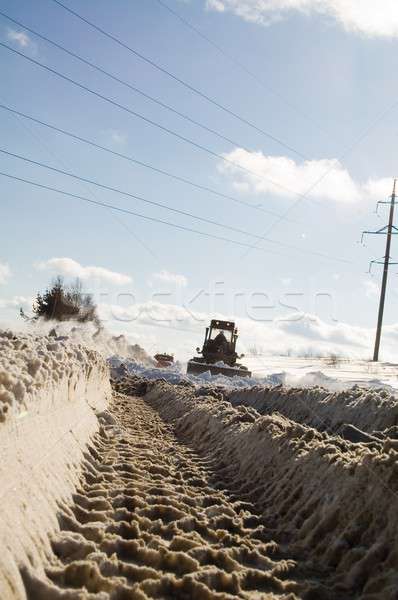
(331, 500)
(333, 373)
(52, 394)
(92, 336)
(293, 372)
(176, 373)
(30, 365)
(54, 389)
(367, 409)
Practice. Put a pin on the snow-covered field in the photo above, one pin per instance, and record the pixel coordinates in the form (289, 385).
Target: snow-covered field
(333, 373)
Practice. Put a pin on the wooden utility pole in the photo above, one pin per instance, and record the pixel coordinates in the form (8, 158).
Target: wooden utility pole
(385, 276)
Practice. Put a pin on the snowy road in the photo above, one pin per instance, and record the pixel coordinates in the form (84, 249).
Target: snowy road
(190, 490)
(183, 495)
(150, 521)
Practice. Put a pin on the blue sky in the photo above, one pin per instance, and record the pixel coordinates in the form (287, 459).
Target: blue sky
(328, 92)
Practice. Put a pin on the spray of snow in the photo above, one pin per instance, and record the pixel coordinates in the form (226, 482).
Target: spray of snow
(176, 374)
(93, 337)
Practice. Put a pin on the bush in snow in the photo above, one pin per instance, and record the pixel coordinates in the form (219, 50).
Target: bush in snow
(61, 302)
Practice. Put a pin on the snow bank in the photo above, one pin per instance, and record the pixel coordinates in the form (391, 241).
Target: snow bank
(333, 502)
(51, 393)
(367, 409)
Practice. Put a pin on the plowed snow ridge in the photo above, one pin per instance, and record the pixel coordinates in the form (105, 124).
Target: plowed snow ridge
(368, 410)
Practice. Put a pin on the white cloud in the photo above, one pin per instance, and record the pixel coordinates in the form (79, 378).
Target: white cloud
(216, 5)
(16, 302)
(174, 278)
(181, 329)
(23, 41)
(71, 268)
(156, 314)
(367, 17)
(5, 272)
(20, 37)
(378, 188)
(324, 179)
(312, 328)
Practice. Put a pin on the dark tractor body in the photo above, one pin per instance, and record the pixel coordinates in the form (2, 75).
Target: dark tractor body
(219, 352)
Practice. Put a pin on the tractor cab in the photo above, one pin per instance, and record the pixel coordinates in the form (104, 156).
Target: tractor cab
(220, 342)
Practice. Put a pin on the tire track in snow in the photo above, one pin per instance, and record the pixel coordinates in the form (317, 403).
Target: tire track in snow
(150, 522)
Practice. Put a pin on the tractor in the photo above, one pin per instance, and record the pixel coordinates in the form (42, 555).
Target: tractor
(218, 352)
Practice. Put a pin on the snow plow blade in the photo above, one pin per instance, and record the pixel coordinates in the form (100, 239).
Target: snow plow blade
(195, 368)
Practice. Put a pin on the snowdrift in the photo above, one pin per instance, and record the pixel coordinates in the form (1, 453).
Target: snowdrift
(369, 410)
(331, 501)
(51, 395)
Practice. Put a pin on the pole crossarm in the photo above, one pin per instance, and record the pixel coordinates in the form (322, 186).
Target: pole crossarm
(380, 261)
(382, 231)
(386, 230)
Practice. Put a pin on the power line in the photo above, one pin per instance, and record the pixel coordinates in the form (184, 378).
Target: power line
(164, 206)
(178, 79)
(237, 63)
(146, 119)
(124, 193)
(97, 94)
(302, 196)
(51, 152)
(348, 150)
(137, 162)
(126, 83)
(130, 212)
